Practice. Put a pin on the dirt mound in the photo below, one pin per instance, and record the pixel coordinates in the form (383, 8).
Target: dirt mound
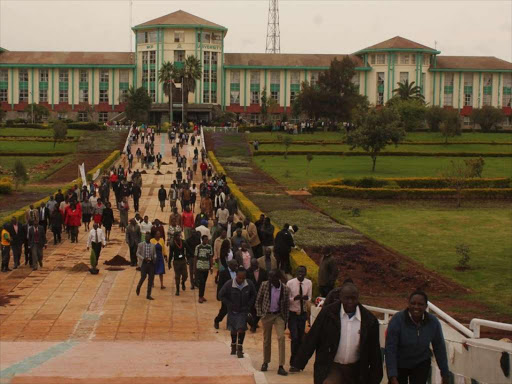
(168, 173)
(143, 172)
(80, 267)
(158, 173)
(115, 269)
(117, 260)
(164, 163)
(6, 299)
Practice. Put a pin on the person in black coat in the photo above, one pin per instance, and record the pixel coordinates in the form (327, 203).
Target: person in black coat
(18, 235)
(262, 276)
(224, 276)
(361, 364)
(283, 245)
(56, 226)
(44, 216)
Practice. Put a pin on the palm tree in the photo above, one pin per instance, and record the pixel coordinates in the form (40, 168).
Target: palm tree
(188, 75)
(406, 91)
(167, 75)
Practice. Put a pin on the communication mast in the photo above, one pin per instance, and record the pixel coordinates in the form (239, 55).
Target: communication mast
(273, 34)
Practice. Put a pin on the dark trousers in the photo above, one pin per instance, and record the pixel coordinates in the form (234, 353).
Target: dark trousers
(343, 373)
(180, 272)
(223, 311)
(257, 251)
(133, 254)
(28, 252)
(193, 282)
(297, 327)
(147, 269)
(37, 256)
(74, 233)
(136, 204)
(57, 235)
(283, 261)
(16, 254)
(201, 277)
(255, 317)
(97, 250)
(6, 256)
(417, 375)
(325, 289)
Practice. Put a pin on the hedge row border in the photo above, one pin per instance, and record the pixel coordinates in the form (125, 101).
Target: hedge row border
(332, 142)
(358, 153)
(250, 210)
(38, 139)
(426, 182)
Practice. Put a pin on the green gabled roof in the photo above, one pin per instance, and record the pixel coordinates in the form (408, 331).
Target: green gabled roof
(180, 19)
(398, 43)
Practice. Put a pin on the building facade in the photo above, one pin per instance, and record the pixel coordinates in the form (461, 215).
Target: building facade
(92, 85)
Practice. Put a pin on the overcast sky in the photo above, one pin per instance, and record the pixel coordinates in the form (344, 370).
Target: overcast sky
(479, 28)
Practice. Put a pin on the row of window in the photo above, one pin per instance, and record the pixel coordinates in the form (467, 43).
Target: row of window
(83, 75)
(405, 58)
(179, 37)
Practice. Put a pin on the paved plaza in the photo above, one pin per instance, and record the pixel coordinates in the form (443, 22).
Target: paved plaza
(61, 326)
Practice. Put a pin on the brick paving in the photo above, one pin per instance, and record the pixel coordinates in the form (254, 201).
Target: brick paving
(56, 308)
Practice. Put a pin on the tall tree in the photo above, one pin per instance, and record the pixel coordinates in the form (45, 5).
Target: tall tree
(487, 117)
(407, 91)
(412, 113)
(188, 75)
(19, 174)
(375, 129)
(167, 76)
(138, 105)
(451, 125)
(435, 116)
(60, 130)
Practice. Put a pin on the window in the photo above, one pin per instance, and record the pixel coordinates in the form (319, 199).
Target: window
(3, 95)
(23, 75)
(487, 99)
(467, 120)
(144, 77)
(216, 38)
(198, 37)
(63, 76)
(104, 76)
(142, 37)
(426, 59)
(381, 58)
(448, 89)
(206, 37)
(206, 58)
(255, 97)
(468, 79)
(123, 95)
(487, 91)
(468, 89)
(179, 37)
(214, 97)
(206, 76)
(295, 77)
(23, 95)
(43, 95)
(103, 95)
(380, 79)
(275, 77)
(214, 76)
(235, 77)
(293, 96)
(448, 100)
(413, 59)
(468, 99)
(255, 118)
(234, 97)
(507, 89)
(314, 78)
(404, 76)
(214, 58)
(82, 116)
(83, 95)
(206, 96)
(63, 95)
(274, 95)
(124, 76)
(4, 84)
(355, 80)
(4, 75)
(103, 117)
(423, 83)
(62, 116)
(404, 58)
(372, 59)
(152, 57)
(152, 94)
(145, 56)
(380, 88)
(84, 76)
(255, 78)
(152, 75)
(152, 37)
(43, 75)
(179, 56)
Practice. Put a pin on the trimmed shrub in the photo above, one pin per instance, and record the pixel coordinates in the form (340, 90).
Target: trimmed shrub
(401, 153)
(14, 124)
(256, 128)
(5, 186)
(87, 126)
(420, 182)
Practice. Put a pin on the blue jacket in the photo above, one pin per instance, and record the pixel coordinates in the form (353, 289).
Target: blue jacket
(408, 345)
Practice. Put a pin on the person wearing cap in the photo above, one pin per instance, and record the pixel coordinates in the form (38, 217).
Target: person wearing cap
(203, 229)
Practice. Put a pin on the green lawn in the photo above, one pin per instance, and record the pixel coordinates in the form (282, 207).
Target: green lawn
(472, 148)
(34, 132)
(35, 146)
(429, 231)
(293, 172)
(411, 136)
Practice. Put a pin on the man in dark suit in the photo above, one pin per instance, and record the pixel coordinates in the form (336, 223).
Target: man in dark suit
(18, 236)
(44, 216)
(257, 275)
(224, 276)
(36, 242)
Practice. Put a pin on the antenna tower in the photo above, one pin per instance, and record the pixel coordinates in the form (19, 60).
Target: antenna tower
(273, 35)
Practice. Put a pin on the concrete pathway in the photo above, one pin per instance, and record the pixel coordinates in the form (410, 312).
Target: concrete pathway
(60, 326)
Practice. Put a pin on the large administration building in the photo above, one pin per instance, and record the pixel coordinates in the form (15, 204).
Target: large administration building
(85, 85)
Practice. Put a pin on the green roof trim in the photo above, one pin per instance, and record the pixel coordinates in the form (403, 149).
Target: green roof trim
(366, 50)
(287, 67)
(468, 70)
(180, 26)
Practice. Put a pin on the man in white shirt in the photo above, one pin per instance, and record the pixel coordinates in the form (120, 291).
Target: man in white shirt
(222, 215)
(96, 240)
(145, 227)
(204, 230)
(301, 291)
(345, 336)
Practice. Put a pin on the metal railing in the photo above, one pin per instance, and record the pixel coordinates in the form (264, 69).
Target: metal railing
(221, 129)
(475, 325)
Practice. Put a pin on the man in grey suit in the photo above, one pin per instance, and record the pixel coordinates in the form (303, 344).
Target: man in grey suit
(147, 259)
(36, 242)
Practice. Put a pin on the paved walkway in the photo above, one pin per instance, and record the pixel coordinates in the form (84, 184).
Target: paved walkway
(60, 326)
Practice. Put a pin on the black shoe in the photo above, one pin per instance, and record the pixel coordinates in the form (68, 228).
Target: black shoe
(294, 370)
(253, 329)
(240, 351)
(149, 298)
(264, 367)
(192, 286)
(9, 270)
(183, 286)
(177, 292)
(15, 267)
(137, 291)
(41, 264)
(137, 269)
(215, 324)
(281, 371)
(233, 349)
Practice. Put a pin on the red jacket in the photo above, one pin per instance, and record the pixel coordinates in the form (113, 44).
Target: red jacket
(188, 219)
(73, 218)
(203, 167)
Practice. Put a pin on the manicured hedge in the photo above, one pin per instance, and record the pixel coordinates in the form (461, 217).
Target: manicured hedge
(399, 193)
(87, 126)
(337, 142)
(256, 128)
(5, 186)
(250, 210)
(417, 182)
(43, 154)
(13, 124)
(38, 138)
(359, 153)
